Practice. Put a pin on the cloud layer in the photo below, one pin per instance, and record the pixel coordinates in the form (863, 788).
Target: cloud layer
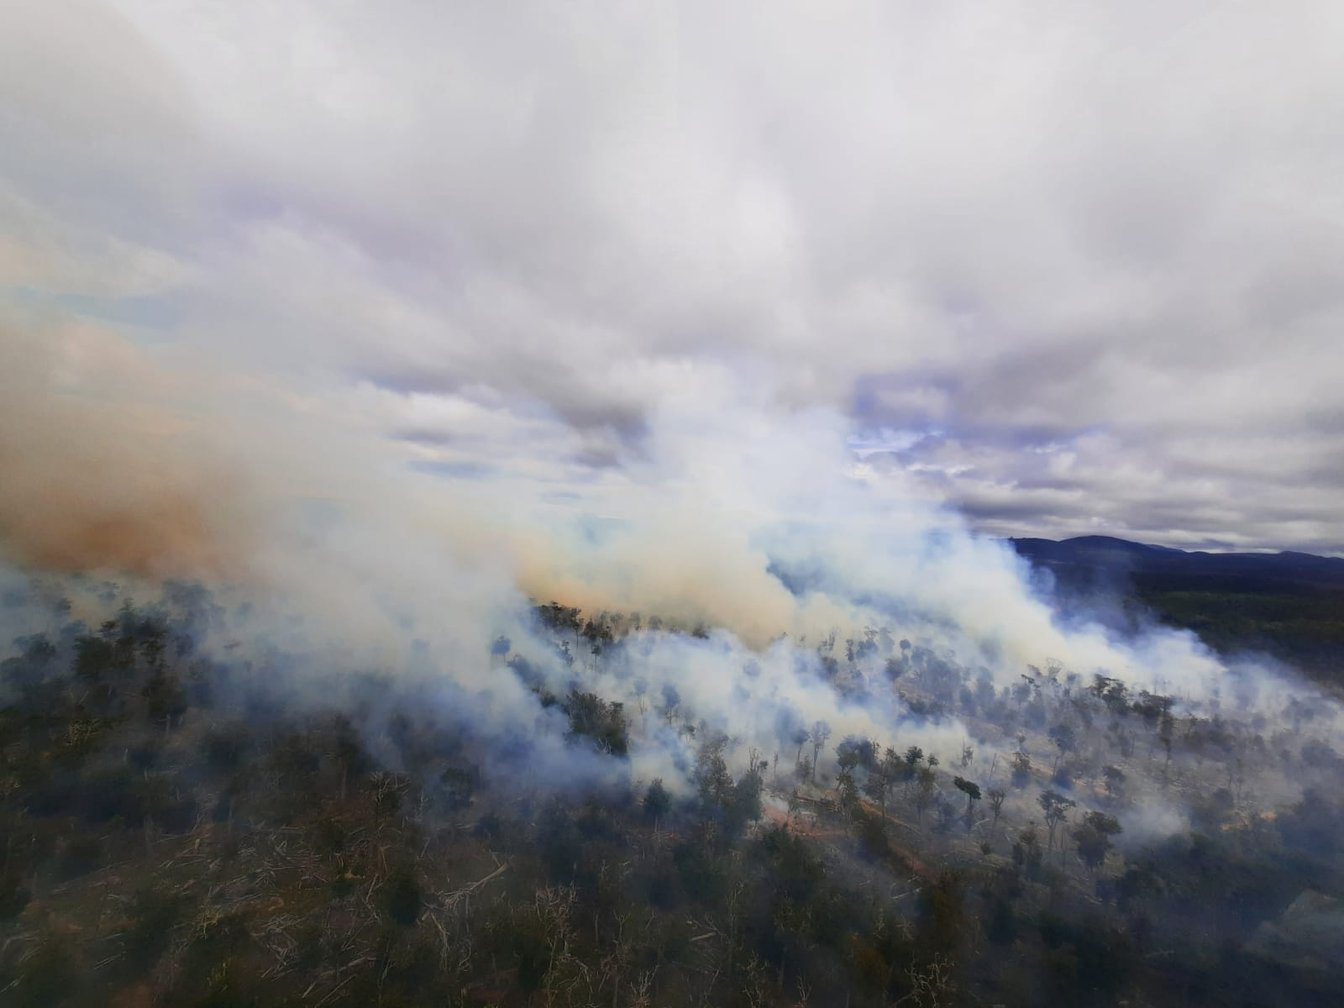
(1071, 272)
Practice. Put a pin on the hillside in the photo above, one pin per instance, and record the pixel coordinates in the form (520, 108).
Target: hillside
(184, 825)
(1290, 605)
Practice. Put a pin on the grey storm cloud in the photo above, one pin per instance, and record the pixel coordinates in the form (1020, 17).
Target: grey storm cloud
(1083, 267)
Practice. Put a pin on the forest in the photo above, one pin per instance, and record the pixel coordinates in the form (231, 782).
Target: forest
(1289, 605)
(193, 818)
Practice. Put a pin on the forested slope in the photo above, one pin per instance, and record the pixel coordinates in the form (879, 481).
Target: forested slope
(1289, 605)
(180, 829)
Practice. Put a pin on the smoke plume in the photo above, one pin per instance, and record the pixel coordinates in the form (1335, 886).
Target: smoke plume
(763, 578)
(105, 465)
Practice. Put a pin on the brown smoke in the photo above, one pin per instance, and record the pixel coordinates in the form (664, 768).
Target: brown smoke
(114, 460)
(101, 467)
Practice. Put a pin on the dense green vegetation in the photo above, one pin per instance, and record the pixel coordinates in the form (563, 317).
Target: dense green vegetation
(1305, 629)
(176, 832)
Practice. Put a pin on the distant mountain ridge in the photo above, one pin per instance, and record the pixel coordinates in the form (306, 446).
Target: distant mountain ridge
(1288, 604)
(1244, 570)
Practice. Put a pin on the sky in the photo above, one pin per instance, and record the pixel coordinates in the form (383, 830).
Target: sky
(1057, 269)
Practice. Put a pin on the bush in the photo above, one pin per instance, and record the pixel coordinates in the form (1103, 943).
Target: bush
(46, 977)
(81, 855)
(14, 895)
(153, 916)
(402, 896)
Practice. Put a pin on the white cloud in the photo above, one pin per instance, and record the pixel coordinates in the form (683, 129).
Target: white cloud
(1117, 228)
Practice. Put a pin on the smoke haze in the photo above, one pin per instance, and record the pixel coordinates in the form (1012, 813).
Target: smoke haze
(752, 323)
(331, 556)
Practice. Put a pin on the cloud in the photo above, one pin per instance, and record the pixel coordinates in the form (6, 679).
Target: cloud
(1113, 229)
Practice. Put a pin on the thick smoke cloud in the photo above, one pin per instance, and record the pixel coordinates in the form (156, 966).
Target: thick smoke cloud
(385, 327)
(760, 529)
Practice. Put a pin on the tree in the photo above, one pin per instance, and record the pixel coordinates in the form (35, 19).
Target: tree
(847, 792)
(402, 896)
(912, 757)
(1027, 851)
(1056, 809)
(804, 770)
(1093, 836)
(996, 797)
(457, 786)
(856, 752)
(1065, 740)
(924, 791)
(600, 722)
(657, 800)
(821, 731)
(95, 662)
(165, 700)
(1112, 692)
(348, 751)
(745, 806)
(800, 738)
(711, 775)
(1166, 727)
(884, 774)
(671, 702)
(972, 792)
